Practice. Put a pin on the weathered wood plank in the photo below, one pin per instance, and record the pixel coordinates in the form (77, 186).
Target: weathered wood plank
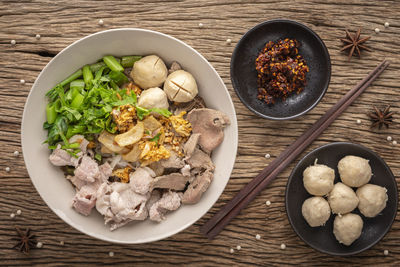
(62, 22)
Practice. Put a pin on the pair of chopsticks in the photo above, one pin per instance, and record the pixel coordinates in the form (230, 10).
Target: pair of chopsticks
(217, 223)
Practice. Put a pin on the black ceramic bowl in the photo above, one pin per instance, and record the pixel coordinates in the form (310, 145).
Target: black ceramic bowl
(244, 74)
(322, 238)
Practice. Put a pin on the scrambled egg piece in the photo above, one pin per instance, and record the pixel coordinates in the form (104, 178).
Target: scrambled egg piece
(124, 117)
(123, 174)
(152, 152)
(181, 126)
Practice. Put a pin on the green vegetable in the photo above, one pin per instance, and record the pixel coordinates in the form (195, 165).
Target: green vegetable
(73, 145)
(76, 129)
(55, 93)
(77, 101)
(97, 157)
(128, 61)
(96, 66)
(127, 100)
(162, 111)
(56, 130)
(78, 85)
(156, 138)
(142, 112)
(84, 106)
(57, 105)
(70, 146)
(51, 113)
(113, 64)
(118, 77)
(73, 153)
(114, 85)
(71, 113)
(77, 74)
(87, 76)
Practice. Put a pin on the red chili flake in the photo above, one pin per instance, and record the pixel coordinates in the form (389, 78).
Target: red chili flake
(281, 70)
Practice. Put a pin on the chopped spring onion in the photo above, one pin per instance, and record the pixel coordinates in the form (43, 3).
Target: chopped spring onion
(77, 101)
(51, 113)
(96, 66)
(128, 61)
(87, 75)
(77, 74)
(118, 77)
(78, 85)
(97, 156)
(113, 64)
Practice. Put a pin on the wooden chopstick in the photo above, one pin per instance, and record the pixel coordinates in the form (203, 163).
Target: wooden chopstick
(250, 191)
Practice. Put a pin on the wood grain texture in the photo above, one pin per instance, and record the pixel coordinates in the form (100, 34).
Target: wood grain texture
(62, 22)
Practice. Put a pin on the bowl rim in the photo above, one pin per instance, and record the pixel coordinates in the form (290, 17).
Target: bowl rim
(389, 226)
(167, 234)
(291, 22)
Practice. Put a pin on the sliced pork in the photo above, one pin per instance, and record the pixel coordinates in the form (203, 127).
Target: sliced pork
(154, 197)
(157, 168)
(105, 172)
(103, 205)
(102, 176)
(141, 179)
(174, 181)
(210, 124)
(190, 145)
(78, 183)
(199, 159)
(87, 170)
(85, 199)
(120, 204)
(170, 201)
(60, 157)
(173, 162)
(196, 188)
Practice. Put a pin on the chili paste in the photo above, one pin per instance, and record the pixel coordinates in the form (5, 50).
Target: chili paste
(281, 70)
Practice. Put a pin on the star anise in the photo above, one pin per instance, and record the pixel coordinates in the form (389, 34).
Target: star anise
(381, 117)
(26, 240)
(354, 43)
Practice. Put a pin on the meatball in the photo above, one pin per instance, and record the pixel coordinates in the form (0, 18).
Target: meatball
(342, 199)
(354, 171)
(318, 179)
(180, 86)
(149, 71)
(347, 228)
(372, 198)
(316, 211)
(153, 98)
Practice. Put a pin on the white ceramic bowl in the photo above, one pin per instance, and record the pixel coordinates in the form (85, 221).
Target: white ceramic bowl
(49, 181)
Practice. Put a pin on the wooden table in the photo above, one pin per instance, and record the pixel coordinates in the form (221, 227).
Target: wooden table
(62, 22)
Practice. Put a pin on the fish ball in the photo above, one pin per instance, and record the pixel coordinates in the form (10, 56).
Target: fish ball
(318, 179)
(372, 198)
(316, 211)
(180, 86)
(153, 98)
(354, 171)
(342, 199)
(149, 71)
(347, 228)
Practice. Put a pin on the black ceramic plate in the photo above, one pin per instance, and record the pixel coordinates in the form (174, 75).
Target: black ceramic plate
(244, 74)
(322, 238)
